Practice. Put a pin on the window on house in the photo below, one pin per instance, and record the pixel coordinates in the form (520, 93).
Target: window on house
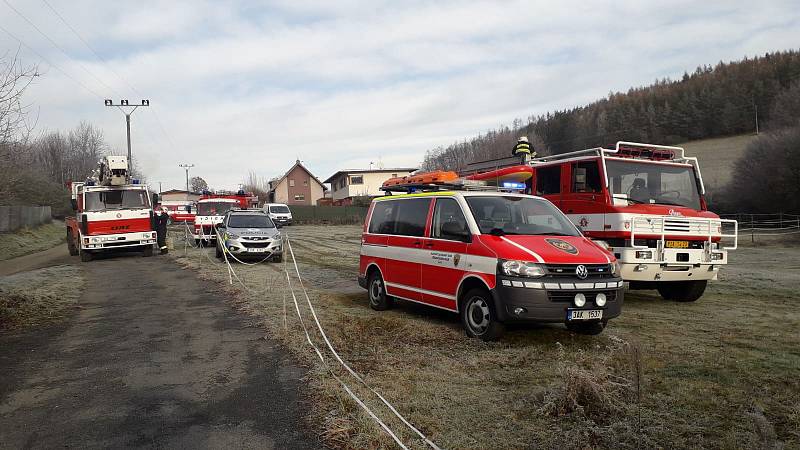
(300, 197)
(548, 180)
(357, 179)
(305, 182)
(291, 183)
(394, 175)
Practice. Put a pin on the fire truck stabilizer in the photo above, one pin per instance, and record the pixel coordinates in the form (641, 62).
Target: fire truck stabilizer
(112, 211)
(644, 202)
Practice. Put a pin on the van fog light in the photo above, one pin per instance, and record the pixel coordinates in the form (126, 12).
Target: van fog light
(518, 311)
(644, 254)
(580, 300)
(600, 300)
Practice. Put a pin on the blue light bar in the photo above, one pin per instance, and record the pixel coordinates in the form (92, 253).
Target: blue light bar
(134, 181)
(513, 185)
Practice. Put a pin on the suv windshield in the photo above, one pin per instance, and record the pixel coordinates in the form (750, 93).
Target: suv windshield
(214, 208)
(121, 199)
(250, 221)
(641, 182)
(519, 215)
(279, 209)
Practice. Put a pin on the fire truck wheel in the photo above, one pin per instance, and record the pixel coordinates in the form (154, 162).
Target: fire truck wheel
(148, 251)
(478, 316)
(682, 291)
(590, 328)
(378, 300)
(85, 256)
(73, 250)
(218, 251)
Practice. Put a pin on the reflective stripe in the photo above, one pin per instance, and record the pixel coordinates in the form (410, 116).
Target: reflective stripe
(525, 249)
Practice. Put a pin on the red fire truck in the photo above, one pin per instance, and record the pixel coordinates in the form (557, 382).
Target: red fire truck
(211, 208)
(112, 212)
(644, 202)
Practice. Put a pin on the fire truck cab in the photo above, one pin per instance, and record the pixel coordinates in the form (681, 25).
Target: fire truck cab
(111, 212)
(211, 209)
(646, 204)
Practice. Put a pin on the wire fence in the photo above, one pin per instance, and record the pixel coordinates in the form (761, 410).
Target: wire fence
(765, 224)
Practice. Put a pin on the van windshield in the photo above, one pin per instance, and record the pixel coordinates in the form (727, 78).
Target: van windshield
(280, 209)
(519, 215)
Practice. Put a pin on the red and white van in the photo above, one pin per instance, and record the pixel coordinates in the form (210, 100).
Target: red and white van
(493, 257)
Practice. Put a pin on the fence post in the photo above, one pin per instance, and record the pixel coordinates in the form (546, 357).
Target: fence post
(780, 224)
(752, 230)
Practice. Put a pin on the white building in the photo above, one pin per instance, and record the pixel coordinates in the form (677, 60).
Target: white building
(346, 184)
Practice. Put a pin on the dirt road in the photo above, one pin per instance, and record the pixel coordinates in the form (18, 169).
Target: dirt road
(155, 358)
(50, 257)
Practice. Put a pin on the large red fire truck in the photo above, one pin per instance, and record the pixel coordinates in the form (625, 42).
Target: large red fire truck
(211, 209)
(644, 202)
(112, 211)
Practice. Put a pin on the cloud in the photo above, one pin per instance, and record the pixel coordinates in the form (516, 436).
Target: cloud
(253, 85)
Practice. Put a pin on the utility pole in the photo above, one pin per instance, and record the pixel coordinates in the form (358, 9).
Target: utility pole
(124, 103)
(159, 188)
(186, 167)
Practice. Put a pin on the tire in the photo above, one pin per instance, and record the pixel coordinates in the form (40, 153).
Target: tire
(278, 258)
(589, 328)
(73, 250)
(378, 300)
(85, 256)
(218, 251)
(148, 251)
(479, 317)
(682, 291)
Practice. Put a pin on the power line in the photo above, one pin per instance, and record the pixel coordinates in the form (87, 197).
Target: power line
(21, 42)
(55, 44)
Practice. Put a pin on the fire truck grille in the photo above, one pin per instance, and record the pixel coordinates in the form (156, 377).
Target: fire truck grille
(569, 296)
(568, 270)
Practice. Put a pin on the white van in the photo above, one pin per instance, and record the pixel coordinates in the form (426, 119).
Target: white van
(279, 213)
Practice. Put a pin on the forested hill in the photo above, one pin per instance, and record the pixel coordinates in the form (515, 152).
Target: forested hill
(713, 101)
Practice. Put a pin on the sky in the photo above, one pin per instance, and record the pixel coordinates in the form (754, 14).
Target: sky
(245, 86)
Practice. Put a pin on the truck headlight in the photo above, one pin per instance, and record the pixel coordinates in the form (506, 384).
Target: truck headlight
(615, 268)
(522, 269)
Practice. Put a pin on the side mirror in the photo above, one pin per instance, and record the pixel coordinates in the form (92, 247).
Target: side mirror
(74, 203)
(455, 231)
(155, 199)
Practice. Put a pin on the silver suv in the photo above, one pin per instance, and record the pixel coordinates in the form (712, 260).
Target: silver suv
(249, 233)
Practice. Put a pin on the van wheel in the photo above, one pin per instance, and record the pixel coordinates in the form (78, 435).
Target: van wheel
(682, 291)
(591, 328)
(73, 250)
(478, 316)
(378, 300)
(85, 256)
(148, 251)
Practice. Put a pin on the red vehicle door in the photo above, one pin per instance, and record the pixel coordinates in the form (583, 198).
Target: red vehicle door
(405, 259)
(445, 248)
(547, 183)
(582, 197)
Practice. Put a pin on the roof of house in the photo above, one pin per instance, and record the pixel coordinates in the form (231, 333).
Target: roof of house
(296, 164)
(385, 170)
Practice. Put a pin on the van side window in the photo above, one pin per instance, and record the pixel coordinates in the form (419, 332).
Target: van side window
(548, 180)
(383, 214)
(447, 211)
(412, 215)
(585, 177)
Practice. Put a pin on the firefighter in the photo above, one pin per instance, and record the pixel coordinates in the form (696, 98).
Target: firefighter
(524, 150)
(161, 229)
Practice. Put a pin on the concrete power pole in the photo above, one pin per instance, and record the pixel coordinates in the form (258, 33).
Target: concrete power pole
(126, 104)
(186, 167)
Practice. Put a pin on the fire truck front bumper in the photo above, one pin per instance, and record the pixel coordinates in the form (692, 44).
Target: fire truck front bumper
(671, 265)
(109, 241)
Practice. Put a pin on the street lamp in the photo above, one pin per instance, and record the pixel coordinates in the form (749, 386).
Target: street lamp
(186, 167)
(126, 104)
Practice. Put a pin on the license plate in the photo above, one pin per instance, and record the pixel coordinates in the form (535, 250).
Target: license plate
(677, 244)
(257, 250)
(590, 314)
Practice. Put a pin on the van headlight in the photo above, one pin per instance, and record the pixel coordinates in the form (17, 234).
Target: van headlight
(522, 269)
(615, 268)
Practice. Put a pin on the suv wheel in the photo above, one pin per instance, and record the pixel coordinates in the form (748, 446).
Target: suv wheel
(378, 300)
(682, 291)
(478, 316)
(591, 328)
(277, 258)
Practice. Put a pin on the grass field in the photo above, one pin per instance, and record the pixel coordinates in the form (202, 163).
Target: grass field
(718, 373)
(717, 157)
(31, 240)
(38, 296)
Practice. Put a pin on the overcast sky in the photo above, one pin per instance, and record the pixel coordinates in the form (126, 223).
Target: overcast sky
(240, 86)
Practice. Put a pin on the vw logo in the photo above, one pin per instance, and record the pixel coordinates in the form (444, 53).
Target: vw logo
(581, 272)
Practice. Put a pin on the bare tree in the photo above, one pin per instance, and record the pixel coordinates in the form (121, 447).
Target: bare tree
(257, 185)
(14, 80)
(198, 184)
